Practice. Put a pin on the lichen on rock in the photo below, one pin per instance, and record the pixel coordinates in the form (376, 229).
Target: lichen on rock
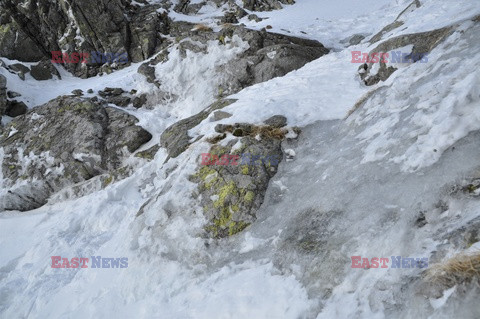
(231, 194)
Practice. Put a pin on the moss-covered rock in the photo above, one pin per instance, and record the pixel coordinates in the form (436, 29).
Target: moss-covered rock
(231, 194)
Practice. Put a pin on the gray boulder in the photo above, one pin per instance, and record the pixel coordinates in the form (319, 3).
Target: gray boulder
(15, 108)
(3, 95)
(276, 121)
(65, 141)
(231, 189)
(44, 70)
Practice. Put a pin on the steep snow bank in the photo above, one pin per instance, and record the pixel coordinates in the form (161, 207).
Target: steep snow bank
(355, 187)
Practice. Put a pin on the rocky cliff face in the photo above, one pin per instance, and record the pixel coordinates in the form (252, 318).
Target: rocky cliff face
(64, 142)
(30, 30)
(105, 136)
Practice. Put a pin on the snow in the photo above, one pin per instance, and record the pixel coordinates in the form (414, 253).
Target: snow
(365, 178)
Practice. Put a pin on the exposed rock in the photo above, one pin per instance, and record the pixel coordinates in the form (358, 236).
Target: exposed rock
(232, 190)
(139, 101)
(354, 39)
(254, 17)
(276, 121)
(77, 92)
(233, 15)
(220, 115)
(44, 70)
(121, 100)
(110, 92)
(12, 94)
(149, 72)
(423, 43)
(3, 95)
(147, 25)
(396, 23)
(265, 5)
(114, 96)
(377, 37)
(19, 69)
(270, 55)
(67, 140)
(15, 44)
(148, 154)
(15, 108)
(175, 138)
(105, 26)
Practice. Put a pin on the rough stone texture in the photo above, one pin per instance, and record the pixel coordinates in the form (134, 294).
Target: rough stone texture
(114, 96)
(139, 101)
(15, 108)
(220, 115)
(3, 95)
(13, 94)
(44, 70)
(65, 141)
(265, 5)
(276, 121)
(231, 194)
(18, 69)
(149, 72)
(146, 27)
(396, 23)
(423, 42)
(15, 44)
(270, 55)
(107, 26)
(175, 138)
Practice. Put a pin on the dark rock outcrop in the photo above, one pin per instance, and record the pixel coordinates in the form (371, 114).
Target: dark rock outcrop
(65, 141)
(3, 95)
(15, 108)
(270, 55)
(175, 138)
(265, 5)
(232, 189)
(44, 70)
(105, 26)
(15, 44)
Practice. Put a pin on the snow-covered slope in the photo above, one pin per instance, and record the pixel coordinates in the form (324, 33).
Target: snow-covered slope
(356, 186)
